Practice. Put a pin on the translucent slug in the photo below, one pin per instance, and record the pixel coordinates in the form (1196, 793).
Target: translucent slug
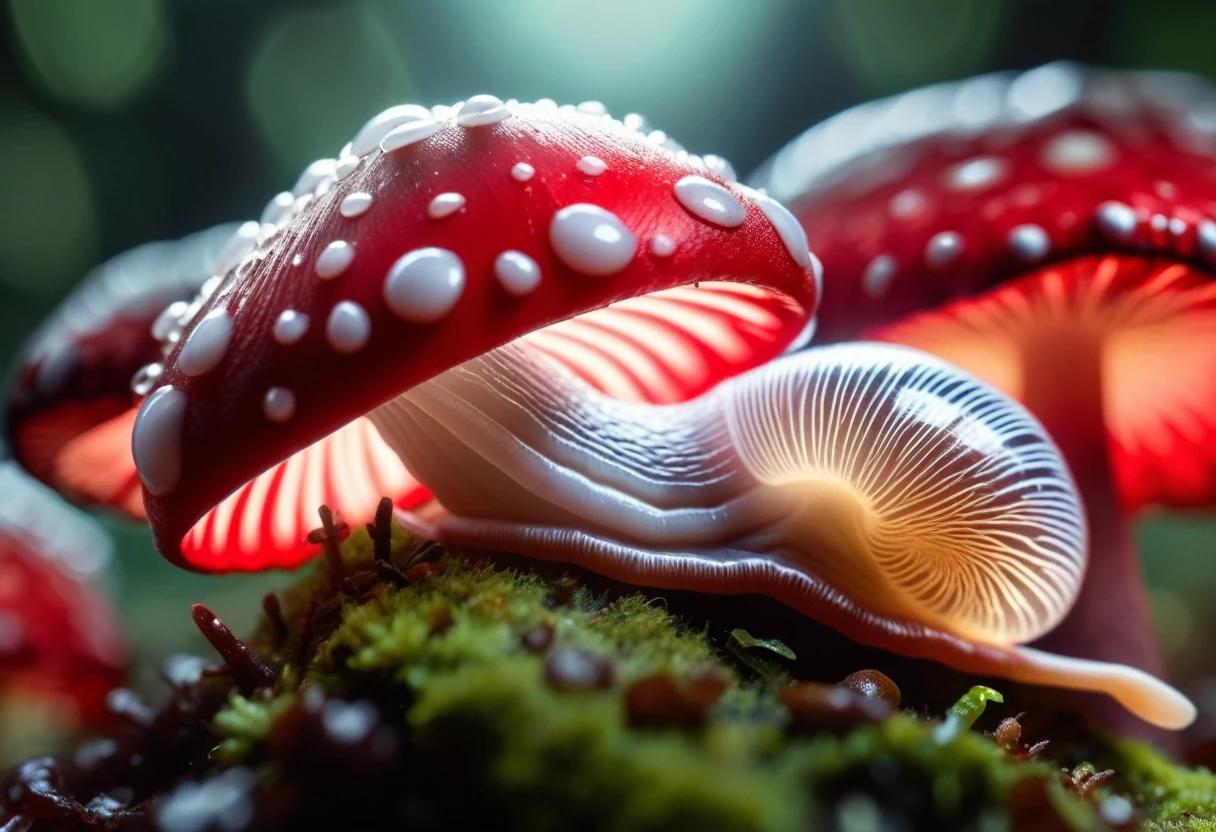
(879, 490)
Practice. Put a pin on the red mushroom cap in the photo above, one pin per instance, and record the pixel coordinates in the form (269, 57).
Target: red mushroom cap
(458, 231)
(1063, 191)
(58, 633)
(71, 403)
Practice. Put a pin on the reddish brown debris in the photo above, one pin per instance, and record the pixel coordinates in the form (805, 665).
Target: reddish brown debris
(130, 707)
(1008, 735)
(331, 533)
(538, 639)
(390, 574)
(1031, 808)
(249, 671)
(274, 614)
(579, 670)
(1084, 779)
(814, 706)
(421, 572)
(874, 684)
(319, 734)
(381, 530)
(661, 699)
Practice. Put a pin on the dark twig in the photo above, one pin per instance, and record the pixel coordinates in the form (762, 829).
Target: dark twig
(248, 670)
(381, 530)
(274, 614)
(329, 536)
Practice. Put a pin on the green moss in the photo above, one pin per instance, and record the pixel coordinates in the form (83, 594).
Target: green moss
(484, 721)
(1167, 793)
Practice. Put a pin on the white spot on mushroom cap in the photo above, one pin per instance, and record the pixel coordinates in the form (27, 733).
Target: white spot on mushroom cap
(593, 108)
(906, 204)
(169, 319)
(407, 134)
(278, 208)
(290, 327)
(943, 249)
(206, 344)
(1029, 242)
(354, 205)
(348, 327)
(380, 125)
(591, 240)
(977, 174)
(481, 110)
(1206, 234)
(710, 201)
(662, 245)
(878, 274)
(788, 229)
(716, 164)
(156, 440)
(334, 259)
(424, 284)
(313, 175)
(591, 165)
(1117, 220)
(238, 247)
(1078, 152)
(345, 167)
(145, 378)
(518, 273)
(1044, 90)
(522, 171)
(444, 205)
(279, 404)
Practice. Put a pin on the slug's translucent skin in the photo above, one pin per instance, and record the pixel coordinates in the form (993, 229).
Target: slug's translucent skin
(874, 488)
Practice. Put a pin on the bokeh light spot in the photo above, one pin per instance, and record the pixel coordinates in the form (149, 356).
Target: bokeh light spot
(895, 44)
(48, 223)
(99, 54)
(317, 73)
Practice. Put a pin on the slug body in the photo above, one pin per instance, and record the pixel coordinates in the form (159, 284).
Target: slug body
(887, 494)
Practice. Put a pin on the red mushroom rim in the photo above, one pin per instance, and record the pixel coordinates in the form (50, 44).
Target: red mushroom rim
(435, 237)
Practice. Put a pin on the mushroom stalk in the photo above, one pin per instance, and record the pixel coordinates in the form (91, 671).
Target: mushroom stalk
(872, 487)
(1062, 386)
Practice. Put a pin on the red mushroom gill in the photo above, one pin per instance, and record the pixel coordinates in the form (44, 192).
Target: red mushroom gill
(436, 236)
(59, 637)
(71, 402)
(1053, 233)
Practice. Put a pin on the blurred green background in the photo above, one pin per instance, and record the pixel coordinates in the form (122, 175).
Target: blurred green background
(123, 121)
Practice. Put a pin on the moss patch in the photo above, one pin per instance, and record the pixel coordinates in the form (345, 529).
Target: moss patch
(513, 699)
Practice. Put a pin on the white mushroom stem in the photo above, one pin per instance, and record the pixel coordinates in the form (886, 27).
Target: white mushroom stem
(872, 481)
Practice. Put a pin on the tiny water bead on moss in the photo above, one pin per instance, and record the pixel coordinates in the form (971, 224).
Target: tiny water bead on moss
(429, 698)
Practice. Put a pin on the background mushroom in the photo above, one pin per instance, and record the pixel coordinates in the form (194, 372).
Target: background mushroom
(60, 641)
(71, 403)
(1051, 232)
(433, 238)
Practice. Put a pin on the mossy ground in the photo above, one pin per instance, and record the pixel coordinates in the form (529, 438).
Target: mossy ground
(460, 659)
